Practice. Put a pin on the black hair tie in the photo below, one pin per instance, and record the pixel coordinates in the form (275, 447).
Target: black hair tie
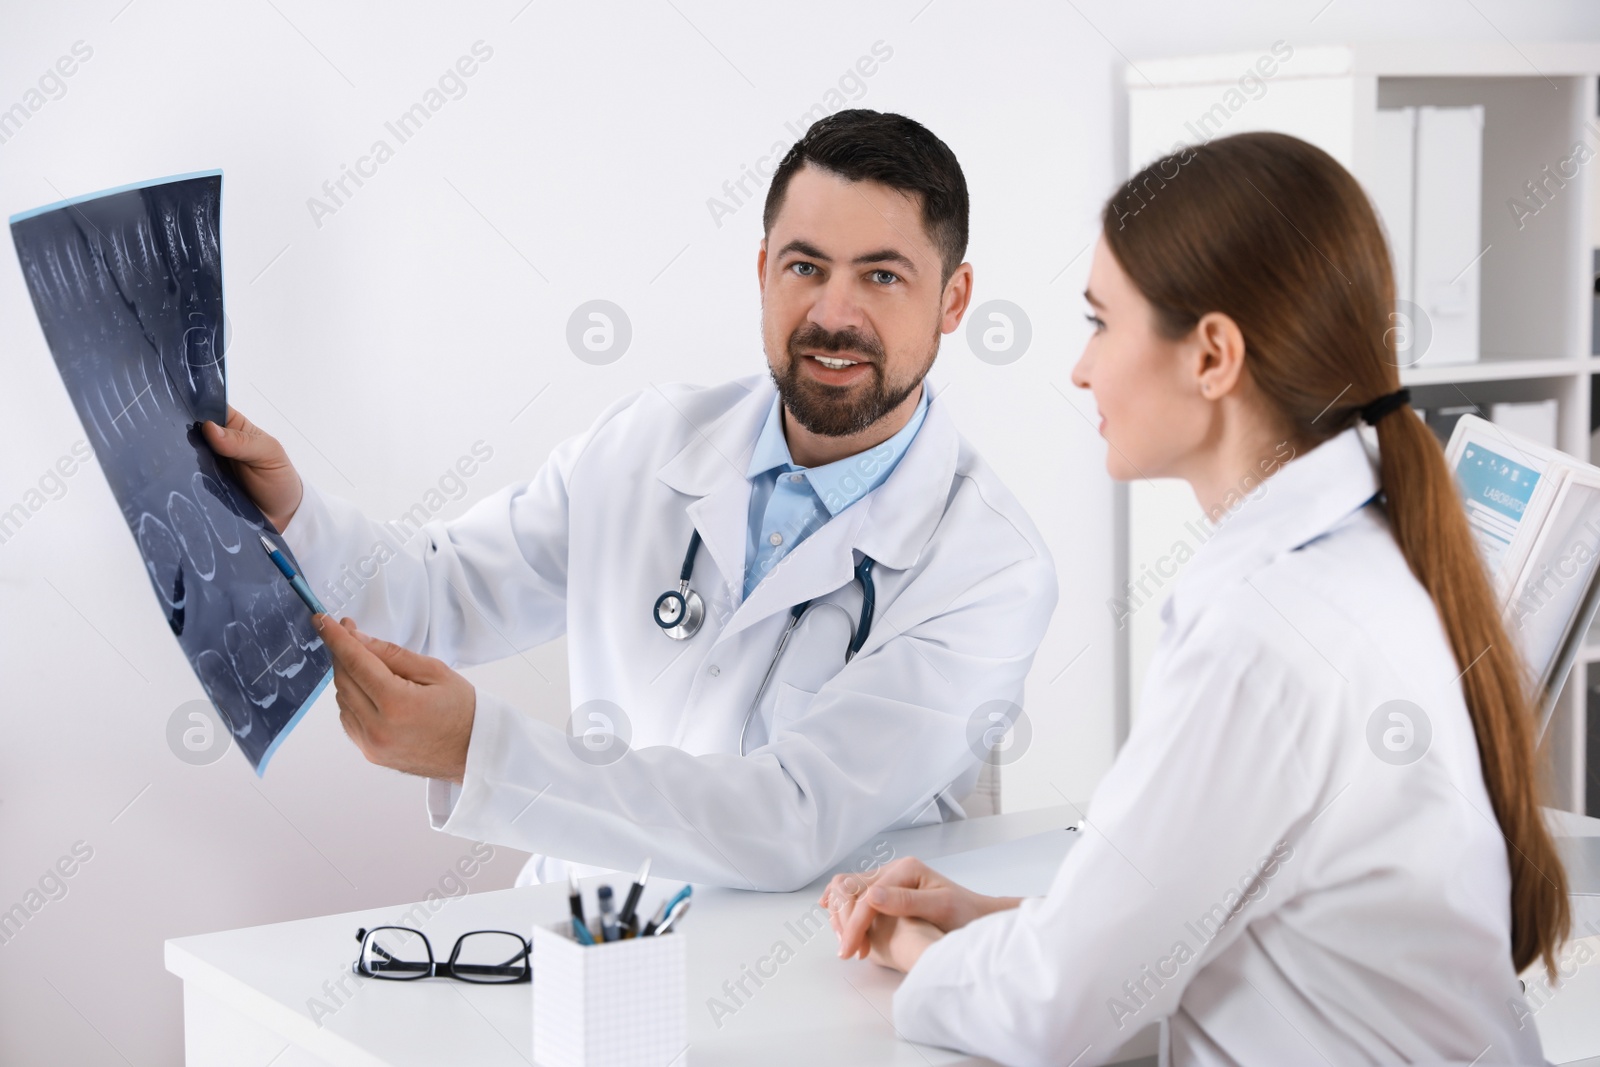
(1377, 409)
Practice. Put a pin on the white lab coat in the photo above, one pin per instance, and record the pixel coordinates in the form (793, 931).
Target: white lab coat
(1374, 922)
(965, 588)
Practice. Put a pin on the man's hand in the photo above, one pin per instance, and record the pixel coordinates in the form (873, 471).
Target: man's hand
(260, 464)
(404, 711)
(894, 912)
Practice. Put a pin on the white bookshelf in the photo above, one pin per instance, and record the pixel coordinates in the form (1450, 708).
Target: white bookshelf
(1536, 281)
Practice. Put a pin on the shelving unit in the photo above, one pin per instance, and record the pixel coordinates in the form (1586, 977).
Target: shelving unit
(1537, 272)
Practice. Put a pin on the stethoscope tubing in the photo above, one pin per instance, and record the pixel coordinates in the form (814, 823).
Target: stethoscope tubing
(683, 622)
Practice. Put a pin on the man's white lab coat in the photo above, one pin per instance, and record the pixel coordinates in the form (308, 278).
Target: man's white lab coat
(965, 588)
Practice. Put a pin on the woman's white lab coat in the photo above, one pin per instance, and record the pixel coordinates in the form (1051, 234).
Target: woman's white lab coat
(837, 752)
(1290, 872)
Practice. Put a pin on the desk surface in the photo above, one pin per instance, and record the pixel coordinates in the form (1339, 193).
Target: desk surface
(816, 1009)
(292, 980)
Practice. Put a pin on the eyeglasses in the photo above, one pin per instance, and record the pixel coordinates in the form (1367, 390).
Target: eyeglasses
(399, 953)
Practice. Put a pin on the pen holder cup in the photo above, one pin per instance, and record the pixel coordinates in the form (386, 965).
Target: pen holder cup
(614, 1004)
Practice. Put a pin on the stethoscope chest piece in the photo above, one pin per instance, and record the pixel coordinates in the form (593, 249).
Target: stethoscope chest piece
(680, 612)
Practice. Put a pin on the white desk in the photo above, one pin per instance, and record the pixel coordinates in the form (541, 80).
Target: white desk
(251, 996)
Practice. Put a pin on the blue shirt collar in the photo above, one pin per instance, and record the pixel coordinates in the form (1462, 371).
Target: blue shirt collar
(842, 482)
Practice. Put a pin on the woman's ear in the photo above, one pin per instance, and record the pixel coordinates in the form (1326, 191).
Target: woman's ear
(1220, 355)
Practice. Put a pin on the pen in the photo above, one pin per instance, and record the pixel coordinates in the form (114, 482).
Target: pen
(673, 916)
(580, 931)
(628, 921)
(295, 581)
(575, 899)
(608, 915)
(666, 906)
(655, 920)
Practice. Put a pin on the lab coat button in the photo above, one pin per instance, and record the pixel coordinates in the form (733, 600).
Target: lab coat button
(714, 670)
(775, 540)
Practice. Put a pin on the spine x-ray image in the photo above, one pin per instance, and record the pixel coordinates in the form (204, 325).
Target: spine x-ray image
(127, 285)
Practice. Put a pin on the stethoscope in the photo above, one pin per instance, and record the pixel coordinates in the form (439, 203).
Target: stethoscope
(680, 613)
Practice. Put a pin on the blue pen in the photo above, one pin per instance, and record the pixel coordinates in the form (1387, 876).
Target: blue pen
(666, 907)
(682, 894)
(295, 581)
(580, 930)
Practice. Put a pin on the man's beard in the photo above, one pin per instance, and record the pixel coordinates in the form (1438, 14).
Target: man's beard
(831, 410)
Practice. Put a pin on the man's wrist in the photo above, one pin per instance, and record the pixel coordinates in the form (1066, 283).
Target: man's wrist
(460, 777)
(283, 525)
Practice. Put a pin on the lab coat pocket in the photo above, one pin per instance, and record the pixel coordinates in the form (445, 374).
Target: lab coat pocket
(792, 703)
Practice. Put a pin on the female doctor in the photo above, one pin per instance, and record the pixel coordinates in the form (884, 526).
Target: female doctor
(1321, 842)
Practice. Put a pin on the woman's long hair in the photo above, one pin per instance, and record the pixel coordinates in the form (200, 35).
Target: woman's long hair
(1274, 233)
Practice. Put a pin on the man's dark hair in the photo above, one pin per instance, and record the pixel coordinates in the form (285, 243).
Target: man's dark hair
(862, 145)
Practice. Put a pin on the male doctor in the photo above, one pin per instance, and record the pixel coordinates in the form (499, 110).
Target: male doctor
(751, 764)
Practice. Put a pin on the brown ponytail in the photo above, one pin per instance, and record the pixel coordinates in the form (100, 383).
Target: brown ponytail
(1274, 233)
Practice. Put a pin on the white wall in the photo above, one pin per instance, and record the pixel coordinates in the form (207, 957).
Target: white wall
(425, 313)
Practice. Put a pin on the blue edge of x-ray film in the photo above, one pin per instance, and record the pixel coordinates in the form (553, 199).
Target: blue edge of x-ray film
(316, 693)
(294, 720)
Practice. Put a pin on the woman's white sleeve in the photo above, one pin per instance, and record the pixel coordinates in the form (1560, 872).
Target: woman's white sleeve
(1190, 836)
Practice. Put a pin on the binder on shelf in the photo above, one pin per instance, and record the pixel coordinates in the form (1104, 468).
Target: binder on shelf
(1594, 321)
(1536, 515)
(1429, 192)
(1532, 419)
(1395, 187)
(1448, 229)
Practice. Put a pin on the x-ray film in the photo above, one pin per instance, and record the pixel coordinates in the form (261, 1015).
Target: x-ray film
(127, 285)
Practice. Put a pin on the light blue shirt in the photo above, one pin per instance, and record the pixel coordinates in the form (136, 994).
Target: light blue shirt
(790, 503)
